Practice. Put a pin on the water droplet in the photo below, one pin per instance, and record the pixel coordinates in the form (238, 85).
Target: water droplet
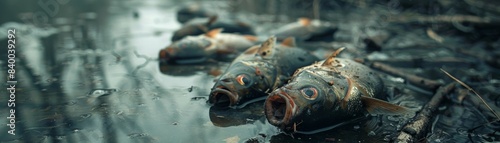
(462, 131)
(156, 98)
(371, 133)
(392, 118)
(356, 127)
(101, 92)
(85, 116)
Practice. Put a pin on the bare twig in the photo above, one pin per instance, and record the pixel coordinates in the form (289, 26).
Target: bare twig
(473, 91)
(428, 63)
(316, 8)
(418, 127)
(413, 79)
(444, 19)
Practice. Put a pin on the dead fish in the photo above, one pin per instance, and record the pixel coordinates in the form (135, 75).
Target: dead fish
(258, 71)
(199, 26)
(191, 11)
(198, 49)
(306, 29)
(327, 93)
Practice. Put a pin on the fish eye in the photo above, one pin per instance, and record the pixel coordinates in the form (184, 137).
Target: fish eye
(309, 93)
(243, 79)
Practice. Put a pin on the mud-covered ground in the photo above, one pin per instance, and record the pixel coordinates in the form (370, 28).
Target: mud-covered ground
(88, 71)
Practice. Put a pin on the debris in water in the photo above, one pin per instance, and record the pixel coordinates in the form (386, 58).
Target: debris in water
(234, 139)
(101, 92)
(198, 98)
(356, 127)
(371, 133)
(190, 89)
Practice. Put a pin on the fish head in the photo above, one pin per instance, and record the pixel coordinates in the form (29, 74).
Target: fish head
(189, 50)
(302, 104)
(242, 82)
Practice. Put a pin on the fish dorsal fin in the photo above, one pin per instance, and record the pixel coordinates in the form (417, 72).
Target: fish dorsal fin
(289, 42)
(211, 20)
(266, 48)
(252, 50)
(377, 106)
(214, 32)
(329, 61)
(304, 21)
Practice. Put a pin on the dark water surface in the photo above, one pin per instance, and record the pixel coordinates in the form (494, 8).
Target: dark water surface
(89, 73)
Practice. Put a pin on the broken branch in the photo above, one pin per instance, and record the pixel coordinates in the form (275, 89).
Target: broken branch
(418, 127)
(413, 79)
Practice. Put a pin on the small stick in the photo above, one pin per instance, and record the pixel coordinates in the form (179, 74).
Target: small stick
(421, 123)
(473, 91)
(413, 79)
(316, 9)
(429, 63)
(444, 19)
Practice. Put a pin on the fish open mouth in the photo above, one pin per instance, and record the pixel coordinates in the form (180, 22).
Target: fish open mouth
(222, 97)
(279, 109)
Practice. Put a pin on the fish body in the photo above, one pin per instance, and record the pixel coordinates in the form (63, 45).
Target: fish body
(199, 26)
(307, 30)
(327, 93)
(258, 71)
(198, 49)
(191, 11)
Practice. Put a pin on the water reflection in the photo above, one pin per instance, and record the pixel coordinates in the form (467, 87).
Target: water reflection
(225, 117)
(211, 68)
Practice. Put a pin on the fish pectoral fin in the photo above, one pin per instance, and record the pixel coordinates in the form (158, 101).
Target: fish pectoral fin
(214, 32)
(252, 50)
(267, 48)
(289, 42)
(377, 106)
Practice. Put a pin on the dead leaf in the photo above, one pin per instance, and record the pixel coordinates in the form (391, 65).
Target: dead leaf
(234, 139)
(434, 35)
